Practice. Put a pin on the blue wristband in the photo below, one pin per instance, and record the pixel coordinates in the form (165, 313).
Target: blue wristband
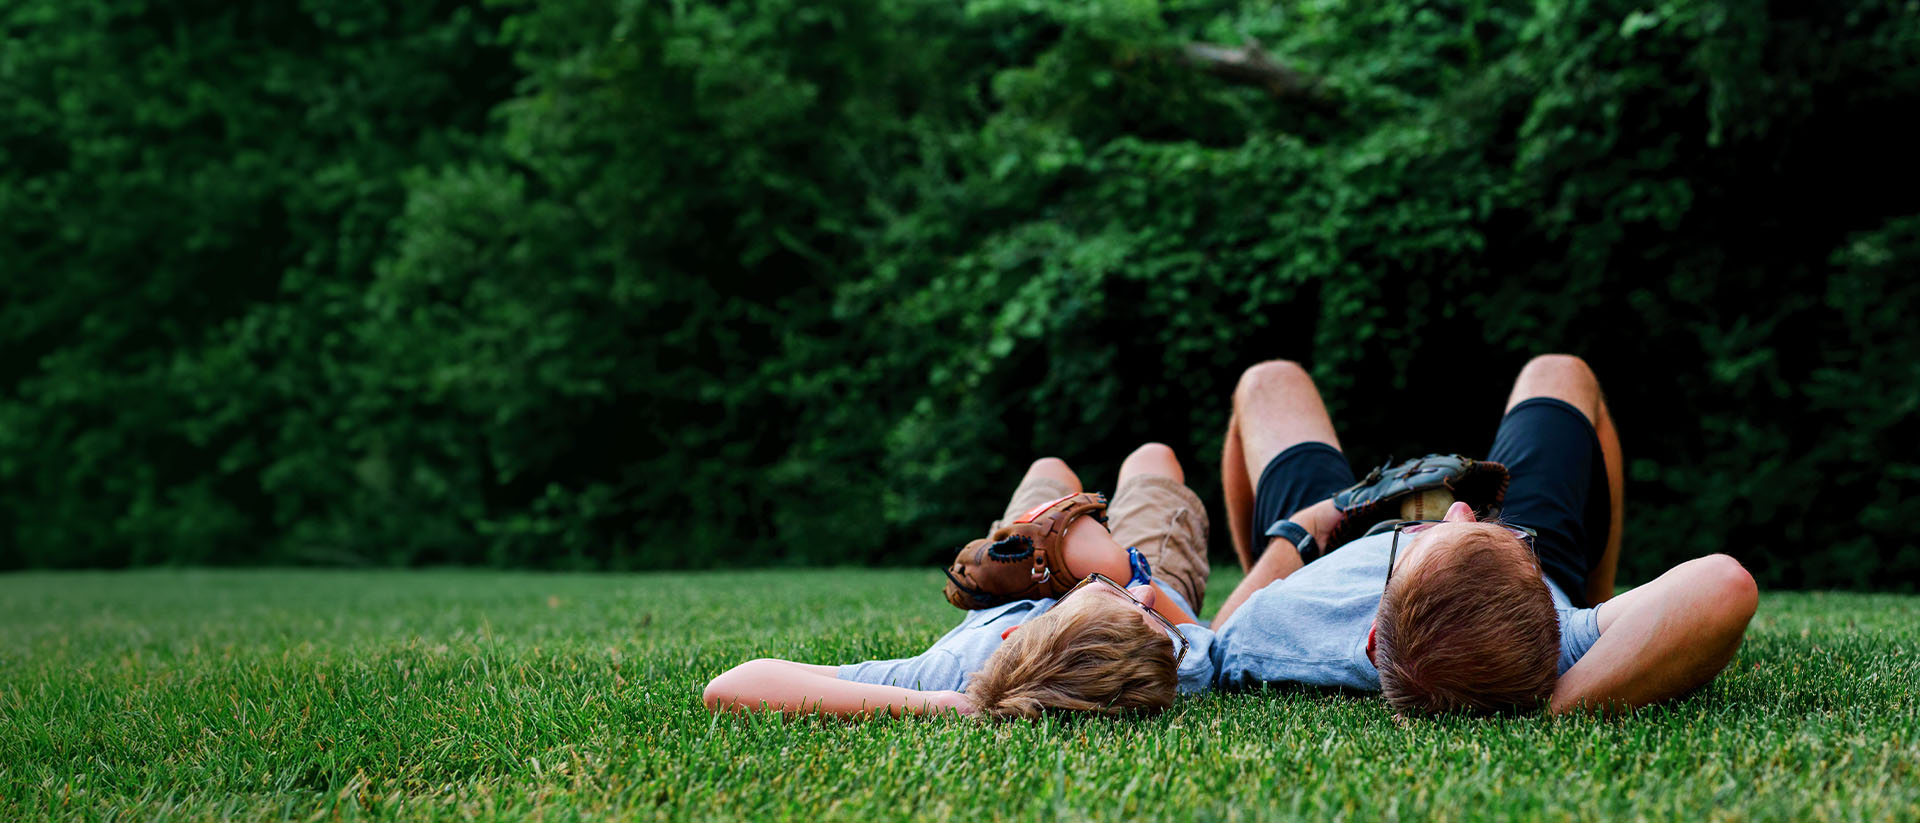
(1137, 564)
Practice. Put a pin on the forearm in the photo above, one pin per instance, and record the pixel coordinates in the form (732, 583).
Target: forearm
(1164, 605)
(1663, 639)
(783, 686)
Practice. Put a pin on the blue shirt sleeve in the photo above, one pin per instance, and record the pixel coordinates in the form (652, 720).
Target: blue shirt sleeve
(935, 669)
(952, 658)
(1579, 629)
(1196, 669)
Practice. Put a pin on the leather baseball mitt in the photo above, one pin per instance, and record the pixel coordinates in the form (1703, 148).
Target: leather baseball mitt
(1381, 494)
(1021, 559)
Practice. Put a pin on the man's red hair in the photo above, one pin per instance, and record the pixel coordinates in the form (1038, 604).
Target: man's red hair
(1471, 627)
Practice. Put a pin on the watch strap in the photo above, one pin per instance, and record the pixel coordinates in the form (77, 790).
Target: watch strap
(1298, 535)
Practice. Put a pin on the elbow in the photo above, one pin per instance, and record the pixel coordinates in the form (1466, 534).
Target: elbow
(742, 687)
(1738, 595)
(715, 692)
(723, 692)
(1728, 595)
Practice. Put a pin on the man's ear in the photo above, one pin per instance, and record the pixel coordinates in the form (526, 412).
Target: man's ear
(1373, 629)
(1003, 636)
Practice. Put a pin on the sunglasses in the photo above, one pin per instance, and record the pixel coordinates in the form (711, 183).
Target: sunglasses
(1524, 534)
(1097, 580)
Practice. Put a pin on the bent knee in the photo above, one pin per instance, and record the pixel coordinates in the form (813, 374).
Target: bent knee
(1153, 452)
(1152, 458)
(1049, 465)
(1559, 367)
(1272, 375)
(1562, 377)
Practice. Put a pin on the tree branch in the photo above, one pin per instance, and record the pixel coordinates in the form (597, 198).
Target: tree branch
(1251, 64)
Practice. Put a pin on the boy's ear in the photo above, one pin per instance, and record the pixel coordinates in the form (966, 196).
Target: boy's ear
(1003, 635)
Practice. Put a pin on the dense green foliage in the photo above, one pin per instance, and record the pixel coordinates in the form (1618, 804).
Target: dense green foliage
(668, 285)
(463, 695)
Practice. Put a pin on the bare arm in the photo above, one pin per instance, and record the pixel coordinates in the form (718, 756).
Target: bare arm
(1662, 639)
(782, 685)
(1090, 548)
(1163, 604)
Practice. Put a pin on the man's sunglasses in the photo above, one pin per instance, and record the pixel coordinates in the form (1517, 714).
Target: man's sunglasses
(1410, 527)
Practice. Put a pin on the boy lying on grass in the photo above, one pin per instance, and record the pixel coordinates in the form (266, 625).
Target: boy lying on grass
(1100, 648)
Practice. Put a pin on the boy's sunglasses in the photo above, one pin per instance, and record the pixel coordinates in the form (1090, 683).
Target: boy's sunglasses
(1179, 640)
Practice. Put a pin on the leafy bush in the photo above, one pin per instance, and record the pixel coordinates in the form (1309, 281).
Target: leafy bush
(643, 286)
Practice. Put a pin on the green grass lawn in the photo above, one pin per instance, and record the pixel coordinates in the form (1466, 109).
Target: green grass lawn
(326, 695)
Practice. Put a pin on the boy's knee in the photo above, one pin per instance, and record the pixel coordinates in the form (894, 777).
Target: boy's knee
(1152, 452)
(1053, 469)
(1049, 465)
(1272, 376)
(1152, 458)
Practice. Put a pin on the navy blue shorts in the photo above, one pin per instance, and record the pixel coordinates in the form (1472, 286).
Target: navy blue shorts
(1559, 487)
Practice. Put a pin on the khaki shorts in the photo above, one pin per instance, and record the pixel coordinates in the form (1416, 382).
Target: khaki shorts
(1154, 513)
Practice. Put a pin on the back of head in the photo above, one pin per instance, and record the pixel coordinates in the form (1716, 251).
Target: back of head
(1101, 659)
(1473, 629)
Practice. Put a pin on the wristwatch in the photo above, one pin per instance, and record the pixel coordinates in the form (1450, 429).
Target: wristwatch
(1298, 535)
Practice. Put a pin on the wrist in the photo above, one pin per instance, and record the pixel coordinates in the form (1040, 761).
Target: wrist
(1299, 536)
(948, 700)
(1318, 519)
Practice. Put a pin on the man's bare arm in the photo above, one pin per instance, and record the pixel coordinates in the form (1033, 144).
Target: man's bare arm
(1663, 639)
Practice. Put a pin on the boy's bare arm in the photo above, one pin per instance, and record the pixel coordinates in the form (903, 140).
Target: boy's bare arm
(785, 686)
(1663, 639)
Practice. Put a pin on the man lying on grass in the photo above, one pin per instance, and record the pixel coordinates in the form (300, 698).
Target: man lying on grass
(1455, 614)
(1099, 648)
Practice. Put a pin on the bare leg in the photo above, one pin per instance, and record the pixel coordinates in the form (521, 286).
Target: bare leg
(1151, 458)
(1168, 526)
(1055, 469)
(1568, 378)
(1275, 407)
(1087, 548)
(1046, 479)
(1600, 579)
(1237, 487)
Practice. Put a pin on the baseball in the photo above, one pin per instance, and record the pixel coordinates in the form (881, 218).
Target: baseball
(1427, 505)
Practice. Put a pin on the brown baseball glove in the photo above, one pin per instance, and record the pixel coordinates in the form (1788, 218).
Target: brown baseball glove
(1021, 559)
(1481, 484)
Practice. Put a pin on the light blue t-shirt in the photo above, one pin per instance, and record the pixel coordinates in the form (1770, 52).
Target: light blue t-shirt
(962, 651)
(1311, 627)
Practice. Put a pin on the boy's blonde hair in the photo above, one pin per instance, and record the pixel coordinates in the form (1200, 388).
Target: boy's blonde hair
(1092, 659)
(1473, 629)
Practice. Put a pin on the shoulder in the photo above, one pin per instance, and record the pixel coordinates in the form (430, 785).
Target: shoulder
(1349, 579)
(1006, 614)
